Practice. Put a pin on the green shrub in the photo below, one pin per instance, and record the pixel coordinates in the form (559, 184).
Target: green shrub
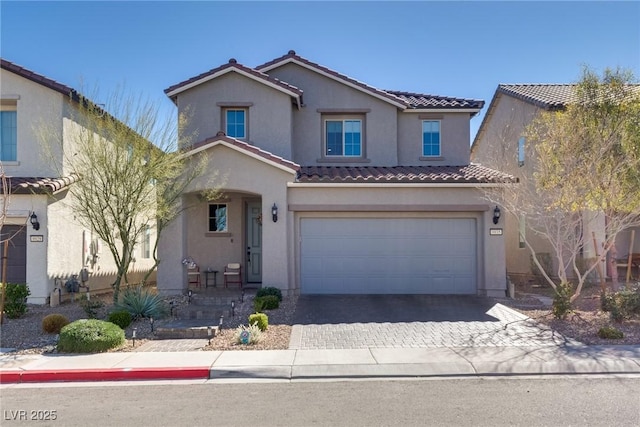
(247, 334)
(90, 336)
(91, 307)
(261, 320)
(561, 305)
(611, 333)
(142, 302)
(121, 318)
(53, 323)
(15, 302)
(269, 290)
(267, 302)
(622, 304)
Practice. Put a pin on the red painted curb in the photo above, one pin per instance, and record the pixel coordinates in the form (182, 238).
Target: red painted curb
(118, 374)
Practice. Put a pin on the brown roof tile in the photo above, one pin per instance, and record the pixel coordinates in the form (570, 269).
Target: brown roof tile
(38, 78)
(39, 185)
(419, 100)
(233, 64)
(547, 96)
(245, 147)
(474, 174)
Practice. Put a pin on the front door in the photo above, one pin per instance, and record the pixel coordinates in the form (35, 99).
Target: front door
(254, 242)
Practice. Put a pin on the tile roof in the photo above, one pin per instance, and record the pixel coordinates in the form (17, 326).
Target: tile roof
(547, 96)
(292, 56)
(38, 78)
(419, 100)
(39, 185)
(234, 65)
(469, 174)
(244, 147)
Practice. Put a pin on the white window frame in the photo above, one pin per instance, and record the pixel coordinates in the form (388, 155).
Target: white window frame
(227, 110)
(343, 119)
(215, 218)
(422, 123)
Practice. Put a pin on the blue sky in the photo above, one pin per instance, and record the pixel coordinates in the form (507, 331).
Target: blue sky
(461, 49)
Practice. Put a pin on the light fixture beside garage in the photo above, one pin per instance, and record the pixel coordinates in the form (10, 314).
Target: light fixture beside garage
(496, 215)
(274, 213)
(33, 219)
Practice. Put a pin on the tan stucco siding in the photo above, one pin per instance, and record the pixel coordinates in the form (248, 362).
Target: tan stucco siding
(38, 109)
(243, 179)
(320, 92)
(269, 113)
(454, 139)
(400, 202)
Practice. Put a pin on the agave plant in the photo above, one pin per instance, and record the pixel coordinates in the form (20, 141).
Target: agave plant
(142, 302)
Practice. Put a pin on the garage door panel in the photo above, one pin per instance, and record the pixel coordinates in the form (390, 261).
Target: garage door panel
(390, 255)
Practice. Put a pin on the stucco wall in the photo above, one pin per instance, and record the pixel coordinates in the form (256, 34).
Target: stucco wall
(38, 109)
(244, 179)
(414, 202)
(269, 116)
(381, 123)
(454, 137)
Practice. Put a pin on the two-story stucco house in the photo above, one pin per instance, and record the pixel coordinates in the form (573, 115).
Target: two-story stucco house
(500, 143)
(46, 241)
(333, 186)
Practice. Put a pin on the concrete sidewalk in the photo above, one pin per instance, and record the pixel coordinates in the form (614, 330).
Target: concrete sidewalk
(321, 364)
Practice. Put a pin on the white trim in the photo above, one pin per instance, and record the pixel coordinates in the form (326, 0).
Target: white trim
(240, 150)
(443, 110)
(431, 157)
(371, 92)
(239, 71)
(389, 185)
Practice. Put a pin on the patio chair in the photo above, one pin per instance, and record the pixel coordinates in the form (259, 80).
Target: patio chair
(193, 274)
(233, 274)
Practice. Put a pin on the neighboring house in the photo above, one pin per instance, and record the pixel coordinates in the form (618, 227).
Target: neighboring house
(333, 186)
(500, 143)
(57, 246)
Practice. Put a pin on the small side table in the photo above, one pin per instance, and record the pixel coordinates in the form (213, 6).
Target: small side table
(208, 273)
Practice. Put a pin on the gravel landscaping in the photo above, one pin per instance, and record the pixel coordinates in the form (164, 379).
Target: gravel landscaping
(26, 336)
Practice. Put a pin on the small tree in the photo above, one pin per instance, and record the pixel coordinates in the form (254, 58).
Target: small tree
(130, 171)
(587, 163)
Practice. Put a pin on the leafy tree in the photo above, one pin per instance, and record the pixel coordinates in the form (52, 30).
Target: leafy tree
(587, 164)
(131, 173)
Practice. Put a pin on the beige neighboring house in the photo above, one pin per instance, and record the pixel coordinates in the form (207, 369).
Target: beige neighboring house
(500, 143)
(47, 242)
(332, 186)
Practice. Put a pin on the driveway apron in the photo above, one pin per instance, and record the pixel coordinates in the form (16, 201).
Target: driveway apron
(413, 321)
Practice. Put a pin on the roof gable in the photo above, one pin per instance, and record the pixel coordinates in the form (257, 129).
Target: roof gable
(292, 57)
(244, 148)
(39, 79)
(233, 66)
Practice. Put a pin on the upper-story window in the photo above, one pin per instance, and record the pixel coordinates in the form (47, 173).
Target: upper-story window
(521, 151)
(236, 122)
(343, 137)
(8, 133)
(431, 138)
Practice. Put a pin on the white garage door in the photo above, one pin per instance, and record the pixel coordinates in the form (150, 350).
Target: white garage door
(388, 256)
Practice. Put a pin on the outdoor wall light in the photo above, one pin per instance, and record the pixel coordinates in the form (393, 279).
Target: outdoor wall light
(274, 213)
(496, 215)
(33, 219)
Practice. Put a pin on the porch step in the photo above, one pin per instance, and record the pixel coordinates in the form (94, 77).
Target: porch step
(186, 329)
(215, 297)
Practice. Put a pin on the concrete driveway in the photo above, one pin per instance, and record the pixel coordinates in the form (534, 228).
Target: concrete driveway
(413, 321)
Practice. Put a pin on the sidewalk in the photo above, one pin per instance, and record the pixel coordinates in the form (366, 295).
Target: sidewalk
(322, 364)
